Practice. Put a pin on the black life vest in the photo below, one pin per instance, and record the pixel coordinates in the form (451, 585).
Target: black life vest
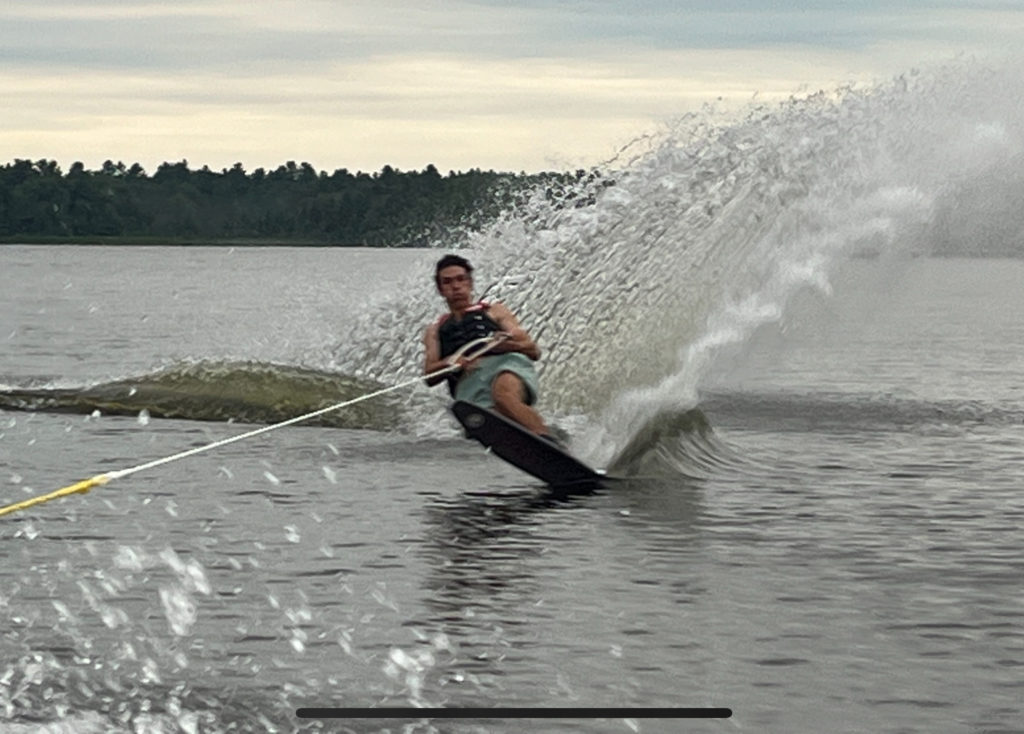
(453, 335)
(474, 324)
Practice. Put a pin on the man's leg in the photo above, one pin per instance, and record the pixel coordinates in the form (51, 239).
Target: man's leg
(509, 394)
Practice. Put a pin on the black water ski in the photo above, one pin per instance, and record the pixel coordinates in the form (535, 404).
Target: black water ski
(525, 450)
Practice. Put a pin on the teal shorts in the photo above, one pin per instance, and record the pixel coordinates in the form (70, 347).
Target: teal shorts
(475, 386)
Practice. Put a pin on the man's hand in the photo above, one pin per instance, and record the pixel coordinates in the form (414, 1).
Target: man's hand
(499, 337)
(513, 340)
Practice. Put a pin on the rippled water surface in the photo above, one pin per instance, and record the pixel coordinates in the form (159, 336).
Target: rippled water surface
(843, 553)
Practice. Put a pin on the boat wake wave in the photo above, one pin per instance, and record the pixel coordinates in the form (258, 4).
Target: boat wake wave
(673, 443)
(836, 413)
(244, 392)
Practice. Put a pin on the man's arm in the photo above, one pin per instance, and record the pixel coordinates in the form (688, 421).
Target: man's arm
(432, 361)
(518, 339)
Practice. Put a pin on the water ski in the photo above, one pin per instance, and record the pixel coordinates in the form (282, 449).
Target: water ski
(524, 449)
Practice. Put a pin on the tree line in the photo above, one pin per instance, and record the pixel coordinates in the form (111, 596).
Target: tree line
(292, 204)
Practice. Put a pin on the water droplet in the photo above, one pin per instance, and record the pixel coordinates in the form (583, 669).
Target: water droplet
(113, 617)
(379, 597)
(196, 580)
(331, 475)
(272, 479)
(179, 609)
(150, 671)
(401, 659)
(143, 418)
(28, 532)
(128, 559)
(188, 721)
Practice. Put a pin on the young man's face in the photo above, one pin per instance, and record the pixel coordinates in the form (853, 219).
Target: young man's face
(456, 286)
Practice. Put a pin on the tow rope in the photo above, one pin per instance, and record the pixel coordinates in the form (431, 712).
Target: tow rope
(472, 350)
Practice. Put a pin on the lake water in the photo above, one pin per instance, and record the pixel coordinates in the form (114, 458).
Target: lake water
(842, 553)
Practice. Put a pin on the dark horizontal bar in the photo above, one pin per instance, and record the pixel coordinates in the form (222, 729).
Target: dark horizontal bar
(385, 712)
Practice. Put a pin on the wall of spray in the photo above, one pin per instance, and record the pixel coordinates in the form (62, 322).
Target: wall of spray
(634, 277)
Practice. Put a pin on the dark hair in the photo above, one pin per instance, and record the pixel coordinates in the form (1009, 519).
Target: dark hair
(448, 261)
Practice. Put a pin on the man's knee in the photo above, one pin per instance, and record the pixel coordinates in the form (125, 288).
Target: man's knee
(508, 388)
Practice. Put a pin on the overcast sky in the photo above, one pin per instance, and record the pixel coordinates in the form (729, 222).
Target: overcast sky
(504, 84)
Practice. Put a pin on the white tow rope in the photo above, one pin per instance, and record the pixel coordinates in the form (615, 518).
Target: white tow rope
(472, 350)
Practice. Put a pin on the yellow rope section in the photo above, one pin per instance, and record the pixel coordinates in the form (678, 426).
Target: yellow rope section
(78, 487)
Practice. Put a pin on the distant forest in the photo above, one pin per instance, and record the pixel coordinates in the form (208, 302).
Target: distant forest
(291, 204)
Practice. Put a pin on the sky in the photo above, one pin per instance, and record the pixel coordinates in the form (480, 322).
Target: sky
(510, 85)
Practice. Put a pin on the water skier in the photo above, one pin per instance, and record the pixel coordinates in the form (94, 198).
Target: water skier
(505, 378)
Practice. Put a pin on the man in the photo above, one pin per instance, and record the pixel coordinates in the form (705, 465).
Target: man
(505, 377)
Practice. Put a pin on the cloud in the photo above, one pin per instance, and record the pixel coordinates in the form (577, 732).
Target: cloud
(402, 110)
(267, 35)
(459, 84)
